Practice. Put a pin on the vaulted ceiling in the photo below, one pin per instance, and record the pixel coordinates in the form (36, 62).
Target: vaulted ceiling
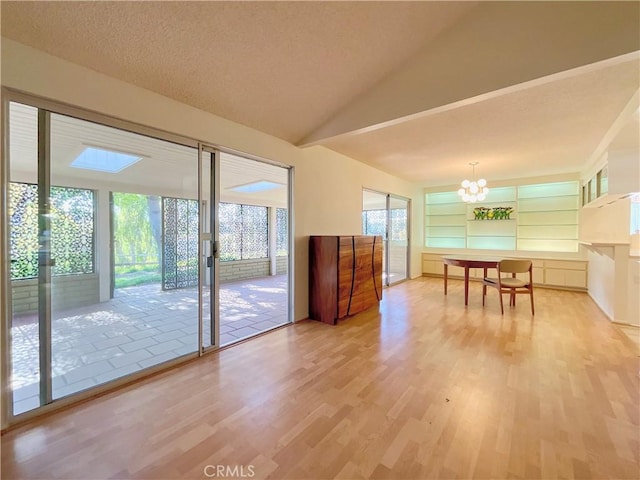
(419, 89)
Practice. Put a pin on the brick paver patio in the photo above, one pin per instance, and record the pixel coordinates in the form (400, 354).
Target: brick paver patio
(141, 327)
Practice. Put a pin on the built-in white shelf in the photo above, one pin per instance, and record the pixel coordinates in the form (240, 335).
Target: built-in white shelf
(544, 218)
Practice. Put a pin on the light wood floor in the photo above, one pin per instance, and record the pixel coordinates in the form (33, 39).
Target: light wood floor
(423, 389)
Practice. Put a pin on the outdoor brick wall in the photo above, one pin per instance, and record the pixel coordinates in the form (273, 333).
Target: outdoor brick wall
(241, 269)
(67, 291)
(281, 264)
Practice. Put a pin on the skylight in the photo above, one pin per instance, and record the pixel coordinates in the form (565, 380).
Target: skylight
(103, 160)
(253, 187)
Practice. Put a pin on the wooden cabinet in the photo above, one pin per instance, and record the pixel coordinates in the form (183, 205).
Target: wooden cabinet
(345, 275)
(565, 274)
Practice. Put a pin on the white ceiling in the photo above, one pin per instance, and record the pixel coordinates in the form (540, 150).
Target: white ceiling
(419, 89)
(552, 128)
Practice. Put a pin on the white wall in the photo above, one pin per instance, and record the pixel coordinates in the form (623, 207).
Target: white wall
(613, 275)
(633, 287)
(601, 279)
(328, 186)
(607, 224)
(614, 282)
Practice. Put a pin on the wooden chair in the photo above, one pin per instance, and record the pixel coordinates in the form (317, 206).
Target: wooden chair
(511, 285)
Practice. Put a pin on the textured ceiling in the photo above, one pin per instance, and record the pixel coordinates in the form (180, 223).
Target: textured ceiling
(549, 129)
(281, 67)
(298, 69)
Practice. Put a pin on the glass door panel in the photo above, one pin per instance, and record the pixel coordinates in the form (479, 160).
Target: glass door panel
(386, 215)
(398, 239)
(24, 250)
(253, 222)
(146, 234)
(115, 257)
(374, 222)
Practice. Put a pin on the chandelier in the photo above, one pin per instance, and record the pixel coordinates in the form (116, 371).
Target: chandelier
(473, 191)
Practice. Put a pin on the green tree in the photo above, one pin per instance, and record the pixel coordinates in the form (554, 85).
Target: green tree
(133, 234)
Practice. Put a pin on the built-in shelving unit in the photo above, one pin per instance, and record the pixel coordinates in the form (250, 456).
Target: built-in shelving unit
(548, 218)
(544, 218)
(446, 220)
(493, 234)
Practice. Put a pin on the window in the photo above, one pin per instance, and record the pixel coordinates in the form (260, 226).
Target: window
(72, 230)
(243, 232)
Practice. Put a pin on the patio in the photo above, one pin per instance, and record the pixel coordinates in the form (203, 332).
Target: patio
(141, 327)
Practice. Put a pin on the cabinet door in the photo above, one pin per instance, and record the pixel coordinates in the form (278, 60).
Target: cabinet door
(576, 278)
(434, 267)
(565, 273)
(323, 278)
(345, 274)
(364, 292)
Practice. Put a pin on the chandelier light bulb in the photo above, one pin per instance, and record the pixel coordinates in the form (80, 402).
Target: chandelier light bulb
(473, 191)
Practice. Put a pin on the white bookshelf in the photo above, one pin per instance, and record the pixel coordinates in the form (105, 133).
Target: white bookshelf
(445, 220)
(544, 218)
(548, 217)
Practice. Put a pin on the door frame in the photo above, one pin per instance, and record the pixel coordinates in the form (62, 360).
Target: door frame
(387, 251)
(208, 246)
(408, 229)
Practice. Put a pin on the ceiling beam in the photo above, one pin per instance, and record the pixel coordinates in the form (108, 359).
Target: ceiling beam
(498, 46)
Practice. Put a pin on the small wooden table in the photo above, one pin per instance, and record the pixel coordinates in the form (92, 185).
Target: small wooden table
(467, 262)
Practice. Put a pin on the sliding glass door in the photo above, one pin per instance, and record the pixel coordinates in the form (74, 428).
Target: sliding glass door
(398, 244)
(387, 215)
(125, 248)
(103, 235)
(26, 239)
(253, 231)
